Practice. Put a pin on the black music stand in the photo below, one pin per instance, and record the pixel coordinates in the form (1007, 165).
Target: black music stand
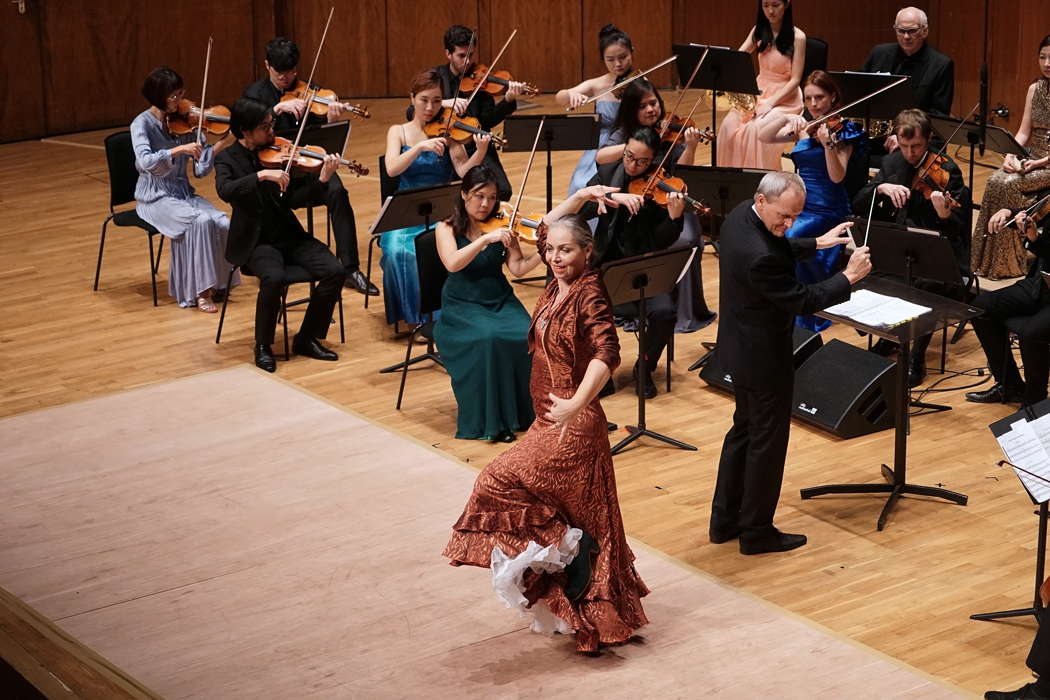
(637, 279)
(944, 312)
(561, 132)
(405, 209)
(724, 70)
(887, 105)
(969, 134)
(909, 253)
(721, 189)
(999, 428)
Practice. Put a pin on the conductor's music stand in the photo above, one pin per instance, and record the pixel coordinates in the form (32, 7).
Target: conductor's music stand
(943, 312)
(561, 132)
(637, 279)
(724, 70)
(406, 209)
(999, 428)
(721, 189)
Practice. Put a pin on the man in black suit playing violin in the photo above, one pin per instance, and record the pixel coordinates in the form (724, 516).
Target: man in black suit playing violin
(266, 236)
(942, 207)
(282, 60)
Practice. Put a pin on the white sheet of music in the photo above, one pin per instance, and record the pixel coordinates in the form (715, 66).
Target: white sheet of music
(1025, 445)
(873, 309)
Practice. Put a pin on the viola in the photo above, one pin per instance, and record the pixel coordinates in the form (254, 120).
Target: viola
(496, 83)
(674, 124)
(662, 186)
(933, 177)
(307, 158)
(188, 115)
(322, 98)
(459, 129)
(526, 226)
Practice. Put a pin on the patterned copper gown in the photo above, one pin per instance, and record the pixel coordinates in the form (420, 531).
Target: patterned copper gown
(539, 490)
(1002, 255)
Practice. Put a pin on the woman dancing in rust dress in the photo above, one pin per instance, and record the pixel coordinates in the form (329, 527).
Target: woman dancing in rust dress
(554, 493)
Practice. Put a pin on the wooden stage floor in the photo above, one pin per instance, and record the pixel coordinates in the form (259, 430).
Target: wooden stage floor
(906, 592)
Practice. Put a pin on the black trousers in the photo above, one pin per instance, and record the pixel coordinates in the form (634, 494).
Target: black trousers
(268, 263)
(1027, 303)
(1039, 655)
(951, 291)
(751, 468)
(661, 313)
(341, 214)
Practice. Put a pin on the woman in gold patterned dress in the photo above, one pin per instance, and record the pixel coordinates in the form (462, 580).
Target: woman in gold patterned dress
(999, 254)
(554, 493)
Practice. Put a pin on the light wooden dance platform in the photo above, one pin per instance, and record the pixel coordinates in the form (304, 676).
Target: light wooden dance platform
(229, 535)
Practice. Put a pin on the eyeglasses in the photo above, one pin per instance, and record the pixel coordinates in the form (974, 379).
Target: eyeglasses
(629, 157)
(285, 73)
(266, 125)
(482, 197)
(907, 31)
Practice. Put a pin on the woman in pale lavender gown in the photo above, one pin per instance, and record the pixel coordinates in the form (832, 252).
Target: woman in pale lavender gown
(166, 199)
(781, 48)
(617, 53)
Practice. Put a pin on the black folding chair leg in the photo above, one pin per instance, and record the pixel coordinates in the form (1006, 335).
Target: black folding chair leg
(342, 328)
(152, 269)
(101, 245)
(225, 300)
(284, 315)
(160, 253)
(404, 368)
(368, 270)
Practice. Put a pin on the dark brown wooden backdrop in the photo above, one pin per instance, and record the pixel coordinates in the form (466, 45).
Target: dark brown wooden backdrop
(76, 65)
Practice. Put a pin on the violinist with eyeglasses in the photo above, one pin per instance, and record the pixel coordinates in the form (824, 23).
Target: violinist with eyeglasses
(282, 61)
(919, 188)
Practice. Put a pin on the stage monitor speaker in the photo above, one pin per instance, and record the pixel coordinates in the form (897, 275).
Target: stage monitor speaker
(805, 344)
(846, 390)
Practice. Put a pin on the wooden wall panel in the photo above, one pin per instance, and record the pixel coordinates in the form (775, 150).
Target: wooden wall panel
(22, 90)
(353, 61)
(94, 62)
(647, 23)
(545, 51)
(414, 38)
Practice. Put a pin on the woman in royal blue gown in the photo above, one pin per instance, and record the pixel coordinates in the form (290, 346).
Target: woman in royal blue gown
(822, 159)
(418, 160)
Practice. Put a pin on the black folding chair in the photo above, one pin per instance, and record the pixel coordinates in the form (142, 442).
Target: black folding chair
(123, 177)
(432, 276)
(294, 275)
(387, 186)
(816, 56)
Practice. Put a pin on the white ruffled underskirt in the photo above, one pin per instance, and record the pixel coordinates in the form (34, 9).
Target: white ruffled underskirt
(508, 578)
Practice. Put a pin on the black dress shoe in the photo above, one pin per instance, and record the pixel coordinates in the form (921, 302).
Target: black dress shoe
(776, 542)
(719, 535)
(997, 394)
(505, 436)
(264, 358)
(311, 347)
(1025, 692)
(357, 281)
(916, 373)
(578, 571)
(648, 386)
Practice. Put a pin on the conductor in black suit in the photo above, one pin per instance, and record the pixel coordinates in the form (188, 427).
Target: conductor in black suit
(758, 301)
(266, 236)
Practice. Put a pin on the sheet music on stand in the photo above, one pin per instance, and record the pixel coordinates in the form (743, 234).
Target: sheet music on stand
(1024, 438)
(874, 309)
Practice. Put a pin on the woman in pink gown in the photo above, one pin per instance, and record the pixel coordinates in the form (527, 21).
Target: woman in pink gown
(544, 515)
(781, 48)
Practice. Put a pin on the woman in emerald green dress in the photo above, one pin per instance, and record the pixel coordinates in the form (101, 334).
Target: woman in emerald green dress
(482, 333)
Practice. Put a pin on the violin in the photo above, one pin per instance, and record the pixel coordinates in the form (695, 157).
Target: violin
(321, 99)
(307, 158)
(933, 177)
(674, 124)
(663, 185)
(526, 226)
(496, 83)
(459, 129)
(188, 115)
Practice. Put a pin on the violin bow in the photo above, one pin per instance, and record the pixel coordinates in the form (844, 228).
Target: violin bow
(667, 154)
(525, 177)
(620, 84)
(1039, 204)
(491, 66)
(459, 81)
(681, 95)
(204, 89)
(309, 97)
(854, 103)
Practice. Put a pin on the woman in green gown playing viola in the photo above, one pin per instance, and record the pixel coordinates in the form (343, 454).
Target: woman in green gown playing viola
(482, 332)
